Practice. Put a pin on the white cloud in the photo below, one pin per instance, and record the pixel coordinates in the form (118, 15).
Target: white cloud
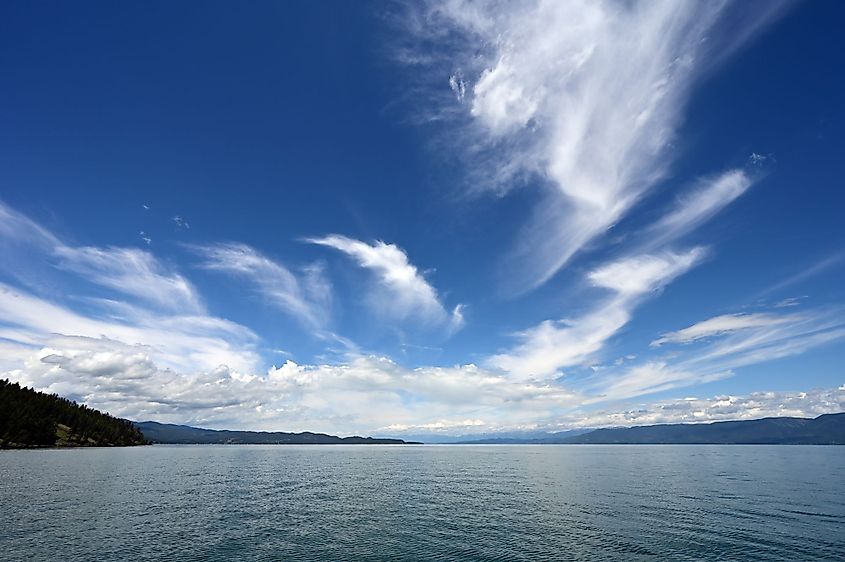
(792, 335)
(806, 404)
(551, 346)
(307, 297)
(648, 378)
(458, 86)
(638, 275)
(409, 292)
(723, 344)
(132, 272)
(129, 271)
(184, 342)
(720, 325)
(369, 394)
(585, 96)
(709, 197)
(806, 272)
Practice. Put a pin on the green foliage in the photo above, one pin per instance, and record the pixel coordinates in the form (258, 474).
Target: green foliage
(34, 419)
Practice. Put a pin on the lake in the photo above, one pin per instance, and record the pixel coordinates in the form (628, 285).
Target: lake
(342, 502)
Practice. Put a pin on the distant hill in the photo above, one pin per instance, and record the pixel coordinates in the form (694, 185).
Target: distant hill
(186, 435)
(31, 419)
(533, 439)
(828, 429)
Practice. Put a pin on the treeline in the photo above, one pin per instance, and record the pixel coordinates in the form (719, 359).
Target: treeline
(34, 419)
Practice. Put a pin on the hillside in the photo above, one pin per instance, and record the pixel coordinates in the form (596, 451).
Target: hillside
(185, 435)
(30, 419)
(828, 429)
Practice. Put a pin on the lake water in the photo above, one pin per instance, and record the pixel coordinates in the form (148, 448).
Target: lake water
(332, 503)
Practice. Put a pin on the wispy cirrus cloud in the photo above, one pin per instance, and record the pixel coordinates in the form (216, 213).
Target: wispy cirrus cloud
(706, 198)
(410, 294)
(720, 325)
(550, 346)
(583, 97)
(130, 271)
(713, 348)
(306, 296)
(133, 272)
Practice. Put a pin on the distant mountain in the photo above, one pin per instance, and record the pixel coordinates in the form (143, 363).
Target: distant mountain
(828, 429)
(535, 438)
(31, 419)
(187, 435)
(489, 438)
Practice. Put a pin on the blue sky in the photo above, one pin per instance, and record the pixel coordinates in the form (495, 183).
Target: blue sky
(441, 217)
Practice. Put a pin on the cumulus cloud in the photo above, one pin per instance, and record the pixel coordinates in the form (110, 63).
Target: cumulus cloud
(368, 394)
(410, 294)
(805, 404)
(306, 296)
(583, 96)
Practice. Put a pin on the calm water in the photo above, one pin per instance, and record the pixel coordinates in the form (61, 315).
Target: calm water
(424, 503)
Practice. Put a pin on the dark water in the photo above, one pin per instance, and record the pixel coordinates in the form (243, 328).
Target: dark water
(424, 503)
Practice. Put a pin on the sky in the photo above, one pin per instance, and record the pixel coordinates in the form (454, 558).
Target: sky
(438, 218)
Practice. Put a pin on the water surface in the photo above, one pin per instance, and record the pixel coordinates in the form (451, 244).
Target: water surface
(357, 502)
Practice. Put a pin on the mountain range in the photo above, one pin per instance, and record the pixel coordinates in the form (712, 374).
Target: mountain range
(185, 435)
(827, 429)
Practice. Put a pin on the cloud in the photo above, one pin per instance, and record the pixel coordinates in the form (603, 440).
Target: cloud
(583, 97)
(133, 272)
(551, 346)
(720, 325)
(806, 272)
(19, 229)
(638, 275)
(648, 378)
(130, 271)
(792, 334)
(183, 342)
(458, 86)
(366, 395)
(709, 196)
(307, 296)
(409, 292)
(715, 347)
(806, 404)
(180, 222)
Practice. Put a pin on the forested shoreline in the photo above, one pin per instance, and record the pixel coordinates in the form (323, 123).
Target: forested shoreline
(32, 419)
